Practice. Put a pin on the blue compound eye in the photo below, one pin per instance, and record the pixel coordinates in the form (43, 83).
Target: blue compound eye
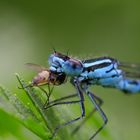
(55, 61)
(73, 67)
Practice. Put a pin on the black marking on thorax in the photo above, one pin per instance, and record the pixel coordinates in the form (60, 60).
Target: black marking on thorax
(98, 59)
(98, 66)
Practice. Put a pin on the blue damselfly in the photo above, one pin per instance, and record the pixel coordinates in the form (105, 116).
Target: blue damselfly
(103, 71)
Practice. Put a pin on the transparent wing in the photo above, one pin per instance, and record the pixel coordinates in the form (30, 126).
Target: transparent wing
(130, 66)
(131, 70)
(36, 67)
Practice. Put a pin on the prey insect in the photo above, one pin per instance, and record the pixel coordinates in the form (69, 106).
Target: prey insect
(103, 71)
(46, 77)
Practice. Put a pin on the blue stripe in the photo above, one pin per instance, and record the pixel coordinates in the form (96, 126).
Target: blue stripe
(86, 65)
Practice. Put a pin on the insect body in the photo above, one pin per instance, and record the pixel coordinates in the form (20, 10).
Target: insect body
(104, 71)
(45, 76)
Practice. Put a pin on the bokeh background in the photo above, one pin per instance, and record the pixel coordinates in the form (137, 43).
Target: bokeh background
(29, 30)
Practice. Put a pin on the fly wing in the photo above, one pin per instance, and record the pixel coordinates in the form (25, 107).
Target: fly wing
(131, 70)
(36, 67)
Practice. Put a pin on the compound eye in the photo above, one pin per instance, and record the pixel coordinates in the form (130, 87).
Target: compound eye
(73, 67)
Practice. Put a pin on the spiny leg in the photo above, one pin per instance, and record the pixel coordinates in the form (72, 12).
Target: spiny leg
(92, 98)
(80, 94)
(48, 99)
(47, 94)
(49, 104)
(58, 101)
(64, 98)
(100, 102)
(62, 103)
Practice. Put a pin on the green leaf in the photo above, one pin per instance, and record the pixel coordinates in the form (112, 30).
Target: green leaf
(28, 109)
(11, 104)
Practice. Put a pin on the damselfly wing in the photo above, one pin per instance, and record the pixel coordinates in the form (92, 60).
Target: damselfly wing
(130, 70)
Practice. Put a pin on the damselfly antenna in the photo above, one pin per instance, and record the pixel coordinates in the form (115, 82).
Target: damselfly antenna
(67, 54)
(52, 45)
(54, 50)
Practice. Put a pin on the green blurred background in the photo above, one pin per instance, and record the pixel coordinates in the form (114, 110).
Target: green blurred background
(86, 28)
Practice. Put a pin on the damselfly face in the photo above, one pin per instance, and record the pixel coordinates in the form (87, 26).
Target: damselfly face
(45, 76)
(63, 63)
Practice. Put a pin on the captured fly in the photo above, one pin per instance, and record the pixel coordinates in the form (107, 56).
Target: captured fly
(45, 76)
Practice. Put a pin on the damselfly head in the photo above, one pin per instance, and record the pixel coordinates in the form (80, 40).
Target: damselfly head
(65, 64)
(57, 58)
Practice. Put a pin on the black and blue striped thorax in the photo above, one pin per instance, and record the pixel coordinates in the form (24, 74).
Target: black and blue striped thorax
(104, 71)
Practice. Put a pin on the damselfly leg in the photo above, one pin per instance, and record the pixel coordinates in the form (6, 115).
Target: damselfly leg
(80, 94)
(100, 102)
(92, 98)
(64, 98)
(62, 103)
(48, 94)
(49, 104)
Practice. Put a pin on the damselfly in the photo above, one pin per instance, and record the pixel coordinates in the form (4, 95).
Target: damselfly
(104, 71)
